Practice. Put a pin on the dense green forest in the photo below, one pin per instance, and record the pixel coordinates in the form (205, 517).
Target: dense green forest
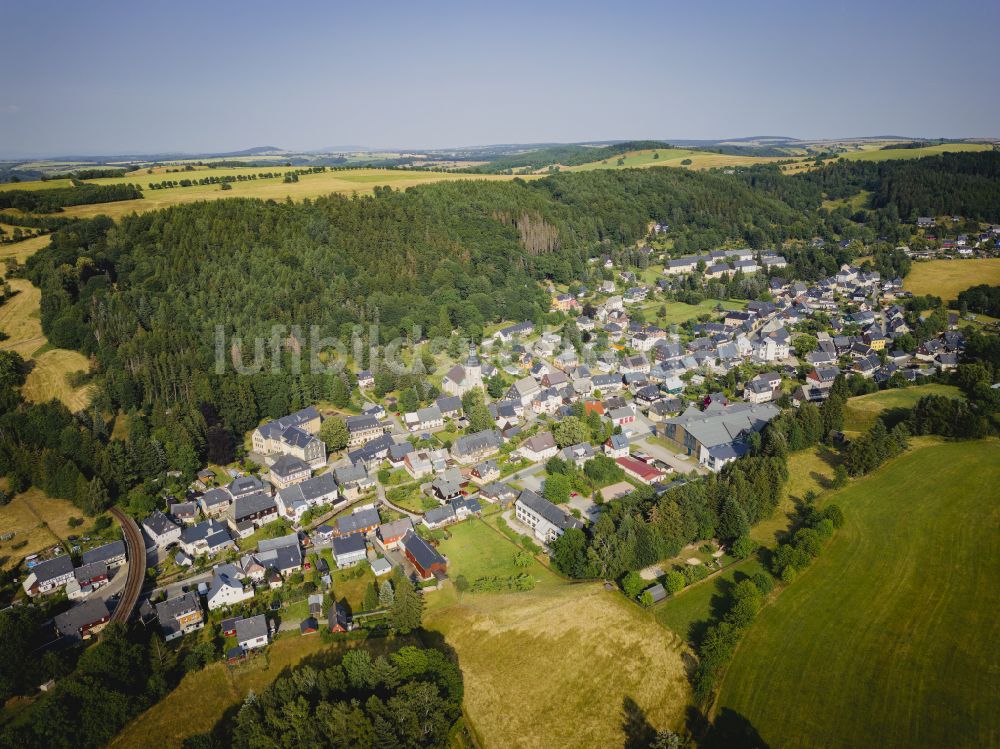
(567, 155)
(57, 198)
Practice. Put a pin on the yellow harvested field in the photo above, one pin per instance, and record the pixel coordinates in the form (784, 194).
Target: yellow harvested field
(37, 519)
(48, 376)
(877, 153)
(946, 278)
(360, 181)
(556, 667)
(674, 157)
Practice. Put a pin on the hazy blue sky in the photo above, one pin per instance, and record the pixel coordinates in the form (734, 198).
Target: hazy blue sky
(116, 77)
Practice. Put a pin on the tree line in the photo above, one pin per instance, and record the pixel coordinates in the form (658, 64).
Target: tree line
(55, 199)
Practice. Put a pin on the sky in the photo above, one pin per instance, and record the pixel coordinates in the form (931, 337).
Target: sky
(107, 77)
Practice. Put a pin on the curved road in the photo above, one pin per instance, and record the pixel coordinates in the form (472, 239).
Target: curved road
(136, 570)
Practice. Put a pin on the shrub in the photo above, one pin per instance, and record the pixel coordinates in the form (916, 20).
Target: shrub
(764, 582)
(695, 572)
(633, 584)
(675, 582)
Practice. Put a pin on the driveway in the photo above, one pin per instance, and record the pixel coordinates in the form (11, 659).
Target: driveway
(680, 463)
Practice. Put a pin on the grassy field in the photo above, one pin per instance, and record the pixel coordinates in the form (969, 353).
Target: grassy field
(862, 411)
(889, 639)
(34, 518)
(48, 376)
(204, 697)
(856, 202)
(945, 278)
(674, 157)
(891, 154)
(361, 181)
(552, 667)
(678, 312)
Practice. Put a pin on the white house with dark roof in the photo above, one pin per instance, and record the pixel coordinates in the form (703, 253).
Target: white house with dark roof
(227, 589)
(538, 448)
(49, 576)
(546, 520)
(349, 550)
(251, 633)
(161, 530)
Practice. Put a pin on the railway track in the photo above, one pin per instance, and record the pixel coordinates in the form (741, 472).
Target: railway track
(136, 549)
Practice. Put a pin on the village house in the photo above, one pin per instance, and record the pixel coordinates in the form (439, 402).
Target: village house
(424, 419)
(485, 472)
(577, 454)
(294, 501)
(546, 520)
(349, 550)
(162, 531)
(425, 559)
(763, 388)
(538, 448)
(253, 510)
(362, 429)
(282, 554)
(112, 554)
(251, 633)
(616, 446)
(362, 520)
(353, 481)
(215, 502)
(83, 621)
(474, 447)
(86, 579)
(448, 485)
(288, 470)
(183, 512)
(48, 576)
(390, 534)
(226, 588)
(180, 615)
(246, 485)
(207, 537)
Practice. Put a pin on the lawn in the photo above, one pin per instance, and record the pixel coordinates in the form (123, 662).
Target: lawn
(862, 411)
(679, 312)
(476, 550)
(889, 639)
(556, 666)
(945, 278)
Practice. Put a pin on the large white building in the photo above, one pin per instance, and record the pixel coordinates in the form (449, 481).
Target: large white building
(546, 520)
